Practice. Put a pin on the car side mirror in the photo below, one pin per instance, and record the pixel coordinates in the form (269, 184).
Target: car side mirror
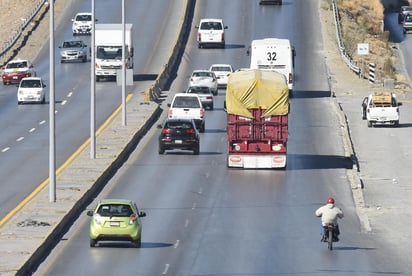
(168, 104)
(226, 27)
(90, 213)
(159, 126)
(399, 104)
(142, 214)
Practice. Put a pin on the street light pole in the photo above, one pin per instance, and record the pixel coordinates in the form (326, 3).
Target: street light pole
(124, 121)
(92, 90)
(52, 136)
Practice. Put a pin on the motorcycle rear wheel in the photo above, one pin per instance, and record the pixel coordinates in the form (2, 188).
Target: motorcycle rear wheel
(330, 239)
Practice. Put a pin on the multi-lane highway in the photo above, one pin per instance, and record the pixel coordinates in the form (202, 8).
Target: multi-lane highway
(202, 218)
(24, 141)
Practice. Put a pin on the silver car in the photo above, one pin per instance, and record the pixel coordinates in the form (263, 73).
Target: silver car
(205, 95)
(73, 50)
(204, 78)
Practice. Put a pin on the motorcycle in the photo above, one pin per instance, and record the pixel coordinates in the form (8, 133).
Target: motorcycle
(330, 235)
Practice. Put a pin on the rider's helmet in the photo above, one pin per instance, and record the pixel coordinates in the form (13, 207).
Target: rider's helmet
(331, 200)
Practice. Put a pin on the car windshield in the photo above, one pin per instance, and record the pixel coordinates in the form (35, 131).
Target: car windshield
(30, 83)
(109, 52)
(115, 210)
(203, 74)
(84, 17)
(221, 68)
(11, 65)
(186, 102)
(72, 44)
(211, 26)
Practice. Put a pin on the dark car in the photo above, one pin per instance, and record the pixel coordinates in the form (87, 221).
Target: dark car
(404, 10)
(179, 134)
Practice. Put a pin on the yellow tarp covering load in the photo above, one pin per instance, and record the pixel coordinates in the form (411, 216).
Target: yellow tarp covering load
(257, 89)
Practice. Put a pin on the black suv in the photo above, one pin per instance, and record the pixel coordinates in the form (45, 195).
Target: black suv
(179, 134)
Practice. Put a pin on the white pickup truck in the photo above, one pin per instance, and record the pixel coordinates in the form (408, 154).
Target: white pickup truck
(381, 108)
(188, 106)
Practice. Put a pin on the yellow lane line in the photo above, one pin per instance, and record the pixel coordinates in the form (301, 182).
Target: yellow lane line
(64, 165)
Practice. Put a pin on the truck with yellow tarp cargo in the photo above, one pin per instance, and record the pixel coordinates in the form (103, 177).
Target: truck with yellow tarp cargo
(257, 106)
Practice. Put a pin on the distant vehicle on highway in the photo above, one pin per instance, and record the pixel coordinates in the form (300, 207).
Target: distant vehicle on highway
(407, 23)
(82, 23)
(17, 69)
(205, 95)
(222, 72)
(73, 50)
(116, 220)
(404, 10)
(31, 89)
(211, 31)
(204, 78)
(179, 134)
(188, 106)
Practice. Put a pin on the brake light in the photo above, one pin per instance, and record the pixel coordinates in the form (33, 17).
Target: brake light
(199, 36)
(166, 130)
(202, 112)
(190, 131)
(170, 113)
(132, 219)
(223, 36)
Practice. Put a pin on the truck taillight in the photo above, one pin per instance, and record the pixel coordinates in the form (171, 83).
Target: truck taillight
(170, 113)
(199, 36)
(202, 112)
(223, 36)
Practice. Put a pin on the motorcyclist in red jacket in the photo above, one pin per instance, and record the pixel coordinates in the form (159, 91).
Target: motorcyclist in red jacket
(329, 214)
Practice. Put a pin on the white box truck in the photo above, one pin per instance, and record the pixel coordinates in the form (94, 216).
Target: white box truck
(108, 49)
(276, 54)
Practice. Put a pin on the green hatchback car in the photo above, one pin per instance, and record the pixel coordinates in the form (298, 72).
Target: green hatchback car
(116, 220)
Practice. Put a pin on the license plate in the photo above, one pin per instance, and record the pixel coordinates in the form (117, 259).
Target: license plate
(15, 78)
(178, 141)
(115, 223)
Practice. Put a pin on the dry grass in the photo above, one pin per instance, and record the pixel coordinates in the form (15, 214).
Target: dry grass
(362, 22)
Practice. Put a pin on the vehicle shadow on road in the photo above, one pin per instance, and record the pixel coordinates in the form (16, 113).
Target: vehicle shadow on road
(351, 248)
(299, 94)
(313, 161)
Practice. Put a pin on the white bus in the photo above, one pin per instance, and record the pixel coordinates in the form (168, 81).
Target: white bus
(273, 54)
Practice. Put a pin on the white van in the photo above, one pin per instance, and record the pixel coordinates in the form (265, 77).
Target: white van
(273, 54)
(211, 32)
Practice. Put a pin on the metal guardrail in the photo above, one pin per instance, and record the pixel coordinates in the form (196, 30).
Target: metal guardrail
(22, 28)
(342, 49)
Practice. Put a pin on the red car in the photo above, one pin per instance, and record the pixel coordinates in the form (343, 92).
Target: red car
(15, 70)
